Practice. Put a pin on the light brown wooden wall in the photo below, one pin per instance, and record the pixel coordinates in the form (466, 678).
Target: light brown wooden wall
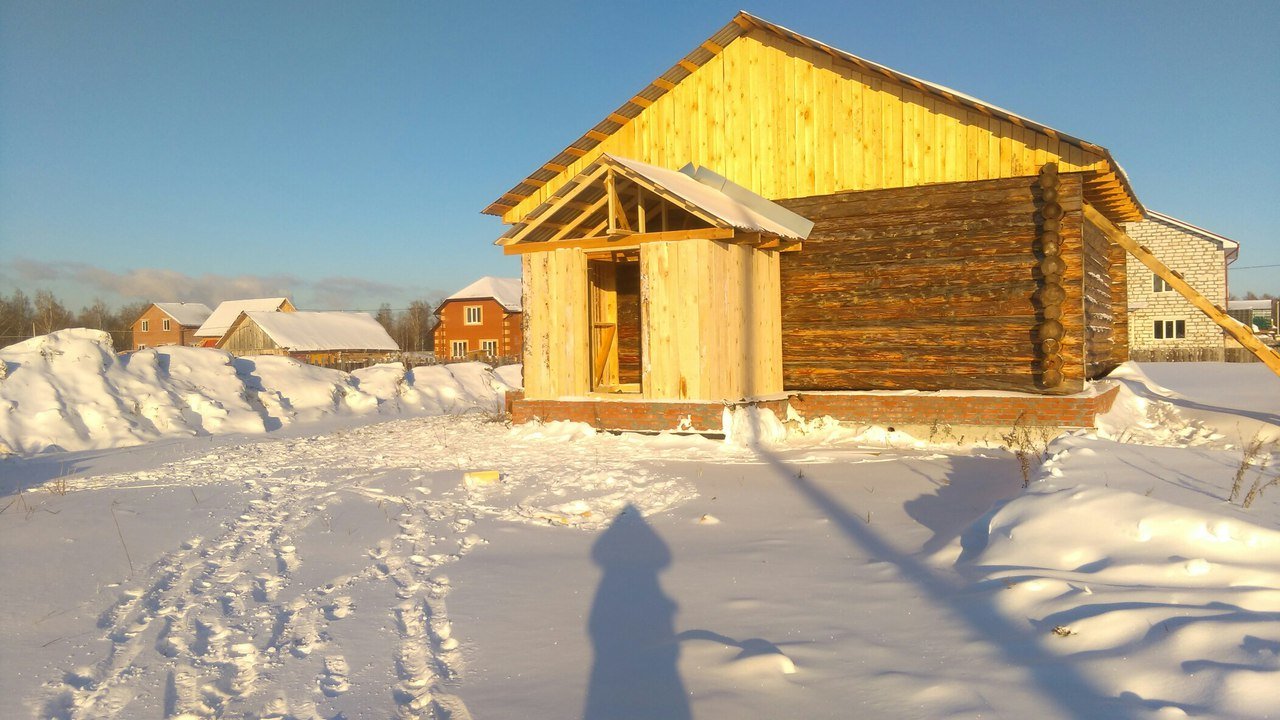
(249, 339)
(786, 121)
(556, 326)
(927, 288)
(711, 320)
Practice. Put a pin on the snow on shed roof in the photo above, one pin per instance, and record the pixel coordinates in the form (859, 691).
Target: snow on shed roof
(187, 314)
(1249, 304)
(505, 290)
(316, 331)
(221, 319)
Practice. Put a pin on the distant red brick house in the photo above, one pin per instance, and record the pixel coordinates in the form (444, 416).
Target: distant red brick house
(171, 323)
(481, 320)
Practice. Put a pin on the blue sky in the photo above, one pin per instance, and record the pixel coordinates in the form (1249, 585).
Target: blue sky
(341, 152)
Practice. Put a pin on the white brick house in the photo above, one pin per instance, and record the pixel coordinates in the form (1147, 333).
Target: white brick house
(1162, 324)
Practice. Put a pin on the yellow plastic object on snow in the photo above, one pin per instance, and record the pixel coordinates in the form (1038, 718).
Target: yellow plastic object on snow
(479, 478)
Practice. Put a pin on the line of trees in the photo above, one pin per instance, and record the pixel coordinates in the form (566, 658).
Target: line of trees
(411, 327)
(23, 317)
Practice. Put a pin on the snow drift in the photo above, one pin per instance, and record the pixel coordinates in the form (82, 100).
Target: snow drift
(70, 391)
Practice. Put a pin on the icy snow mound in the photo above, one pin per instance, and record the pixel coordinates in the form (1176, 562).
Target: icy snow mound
(70, 391)
(1115, 580)
(1146, 413)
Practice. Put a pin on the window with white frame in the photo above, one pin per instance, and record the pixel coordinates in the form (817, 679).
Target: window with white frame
(473, 314)
(164, 324)
(146, 326)
(490, 347)
(1159, 284)
(1169, 329)
(458, 348)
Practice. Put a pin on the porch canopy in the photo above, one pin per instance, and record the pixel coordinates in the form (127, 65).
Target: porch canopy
(617, 202)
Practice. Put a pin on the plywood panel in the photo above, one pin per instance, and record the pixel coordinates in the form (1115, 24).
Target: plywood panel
(711, 320)
(556, 327)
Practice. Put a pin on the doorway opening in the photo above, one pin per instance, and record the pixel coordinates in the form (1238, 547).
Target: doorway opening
(616, 349)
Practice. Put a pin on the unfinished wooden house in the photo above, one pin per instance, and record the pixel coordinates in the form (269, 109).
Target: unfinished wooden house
(838, 226)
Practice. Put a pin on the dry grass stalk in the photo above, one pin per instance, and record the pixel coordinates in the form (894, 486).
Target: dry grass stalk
(1249, 454)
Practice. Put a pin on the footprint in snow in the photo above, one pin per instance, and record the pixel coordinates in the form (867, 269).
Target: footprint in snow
(333, 681)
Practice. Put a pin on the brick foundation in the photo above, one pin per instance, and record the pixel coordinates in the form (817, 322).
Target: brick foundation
(984, 410)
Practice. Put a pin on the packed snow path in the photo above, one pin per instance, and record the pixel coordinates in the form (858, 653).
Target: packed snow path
(229, 623)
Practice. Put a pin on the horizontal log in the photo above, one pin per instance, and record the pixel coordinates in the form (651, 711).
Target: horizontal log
(949, 231)
(938, 193)
(837, 333)
(1023, 210)
(930, 355)
(919, 269)
(965, 378)
(924, 207)
(888, 313)
(844, 250)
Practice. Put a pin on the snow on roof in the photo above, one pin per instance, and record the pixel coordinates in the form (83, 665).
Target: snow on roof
(187, 314)
(1249, 304)
(220, 320)
(505, 290)
(315, 331)
(718, 196)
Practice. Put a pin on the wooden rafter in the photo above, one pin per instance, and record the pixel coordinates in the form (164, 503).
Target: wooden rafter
(1215, 313)
(565, 199)
(585, 212)
(621, 241)
(617, 214)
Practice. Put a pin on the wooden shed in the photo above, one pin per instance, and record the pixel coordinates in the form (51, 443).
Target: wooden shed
(319, 338)
(953, 244)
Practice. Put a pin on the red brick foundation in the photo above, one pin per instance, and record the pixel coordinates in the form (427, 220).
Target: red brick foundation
(991, 410)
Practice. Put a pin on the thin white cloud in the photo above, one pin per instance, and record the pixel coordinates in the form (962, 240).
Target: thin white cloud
(76, 283)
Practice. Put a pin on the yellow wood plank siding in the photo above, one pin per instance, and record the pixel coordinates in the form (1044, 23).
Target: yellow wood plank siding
(557, 329)
(790, 121)
(711, 321)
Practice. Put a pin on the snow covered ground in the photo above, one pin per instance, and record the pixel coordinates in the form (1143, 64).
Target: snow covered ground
(342, 566)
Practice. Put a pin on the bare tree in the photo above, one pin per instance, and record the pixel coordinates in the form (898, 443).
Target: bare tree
(122, 323)
(16, 318)
(50, 314)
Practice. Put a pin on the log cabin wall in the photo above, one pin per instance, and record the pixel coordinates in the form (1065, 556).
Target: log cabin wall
(929, 288)
(1119, 266)
(1105, 341)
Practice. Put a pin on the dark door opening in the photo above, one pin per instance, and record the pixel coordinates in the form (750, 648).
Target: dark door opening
(615, 323)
